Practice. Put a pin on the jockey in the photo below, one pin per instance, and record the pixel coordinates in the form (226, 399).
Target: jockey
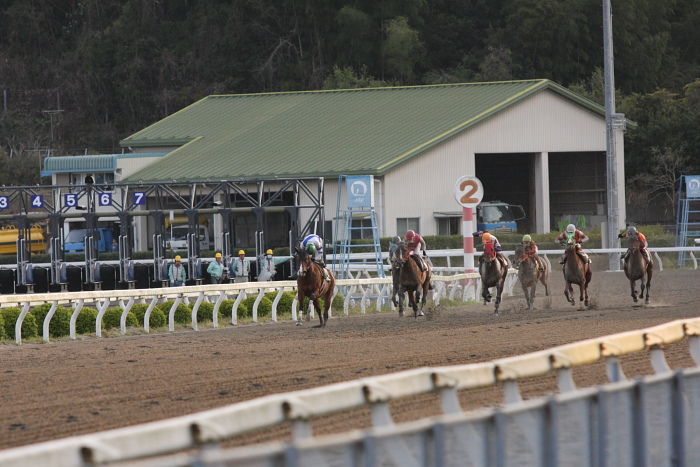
(313, 244)
(633, 233)
(488, 238)
(530, 250)
(415, 243)
(579, 238)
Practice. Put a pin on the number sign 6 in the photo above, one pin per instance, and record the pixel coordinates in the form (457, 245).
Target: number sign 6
(469, 191)
(105, 199)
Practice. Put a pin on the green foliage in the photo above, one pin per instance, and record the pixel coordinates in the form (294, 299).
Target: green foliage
(226, 309)
(9, 318)
(205, 312)
(139, 310)
(85, 323)
(112, 318)
(157, 318)
(183, 314)
(338, 302)
(264, 307)
(2, 328)
(60, 322)
(285, 303)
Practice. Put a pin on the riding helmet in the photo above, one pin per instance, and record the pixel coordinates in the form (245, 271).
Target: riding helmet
(395, 239)
(486, 237)
(527, 238)
(311, 248)
(410, 234)
(631, 230)
(571, 228)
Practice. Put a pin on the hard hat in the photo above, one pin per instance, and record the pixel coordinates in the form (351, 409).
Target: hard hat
(395, 239)
(571, 228)
(218, 255)
(527, 238)
(631, 229)
(486, 237)
(268, 252)
(241, 252)
(177, 258)
(410, 234)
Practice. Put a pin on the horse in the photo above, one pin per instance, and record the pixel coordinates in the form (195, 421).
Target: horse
(311, 284)
(395, 286)
(636, 268)
(412, 280)
(576, 271)
(493, 274)
(529, 275)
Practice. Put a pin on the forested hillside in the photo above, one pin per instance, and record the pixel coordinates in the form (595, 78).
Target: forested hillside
(81, 74)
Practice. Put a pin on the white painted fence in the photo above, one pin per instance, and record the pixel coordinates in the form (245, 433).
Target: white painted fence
(655, 422)
(358, 290)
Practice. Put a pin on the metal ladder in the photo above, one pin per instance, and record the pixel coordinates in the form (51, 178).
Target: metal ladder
(687, 220)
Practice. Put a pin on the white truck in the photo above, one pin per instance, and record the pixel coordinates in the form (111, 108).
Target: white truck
(177, 237)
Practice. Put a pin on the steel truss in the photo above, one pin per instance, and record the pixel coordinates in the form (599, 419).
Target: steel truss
(32, 204)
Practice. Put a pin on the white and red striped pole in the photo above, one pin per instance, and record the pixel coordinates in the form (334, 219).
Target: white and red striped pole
(467, 229)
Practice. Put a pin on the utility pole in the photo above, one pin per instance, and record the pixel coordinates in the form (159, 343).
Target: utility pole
(51, 114)
(613, 123)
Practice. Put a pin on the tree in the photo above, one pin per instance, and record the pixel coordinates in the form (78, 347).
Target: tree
(402, 50)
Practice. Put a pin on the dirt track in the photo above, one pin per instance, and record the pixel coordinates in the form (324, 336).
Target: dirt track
(66, 388)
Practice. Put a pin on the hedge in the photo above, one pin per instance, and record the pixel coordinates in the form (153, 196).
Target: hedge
(60, 321)
(206, 311)
(226, 309)
(85, 323)
(9, 318)
(183, 314)
(264, 307)
(2, 328)
(112, 318)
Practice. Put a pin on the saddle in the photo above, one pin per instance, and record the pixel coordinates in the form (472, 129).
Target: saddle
(422, 264)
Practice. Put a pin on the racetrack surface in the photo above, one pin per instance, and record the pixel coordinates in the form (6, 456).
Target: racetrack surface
(67, 388)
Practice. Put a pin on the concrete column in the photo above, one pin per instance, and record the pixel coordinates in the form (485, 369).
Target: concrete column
(542, 192)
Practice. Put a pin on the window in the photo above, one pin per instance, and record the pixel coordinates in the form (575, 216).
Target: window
(407, 223)
(361, 228)
(100, 178)
(449, 225)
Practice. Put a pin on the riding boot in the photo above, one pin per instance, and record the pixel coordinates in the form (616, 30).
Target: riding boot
(563, 259)
(585, 257)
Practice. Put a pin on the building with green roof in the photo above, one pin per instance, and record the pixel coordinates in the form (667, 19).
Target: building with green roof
(531, 143)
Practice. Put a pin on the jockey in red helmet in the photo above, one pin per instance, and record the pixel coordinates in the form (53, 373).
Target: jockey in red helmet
(415, 244)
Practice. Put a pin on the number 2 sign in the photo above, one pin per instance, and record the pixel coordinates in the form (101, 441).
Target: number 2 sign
(469, 191)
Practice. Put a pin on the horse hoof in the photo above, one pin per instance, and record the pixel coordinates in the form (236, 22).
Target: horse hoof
(646, 302)
(635, 299)
(573, 302)
(420, 313)
(298, 323)
(401, 314)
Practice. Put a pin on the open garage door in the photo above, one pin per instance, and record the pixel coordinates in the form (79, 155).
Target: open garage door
(507, 178)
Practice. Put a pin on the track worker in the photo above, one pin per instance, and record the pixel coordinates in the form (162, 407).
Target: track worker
(240, 268)
(176, 273)
(579, 238)
(216, 269)
(632, 233)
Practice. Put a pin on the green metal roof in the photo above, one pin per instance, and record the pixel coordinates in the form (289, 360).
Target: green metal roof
(323, 133)
(88, 163)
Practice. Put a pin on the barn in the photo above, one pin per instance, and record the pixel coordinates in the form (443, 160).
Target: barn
(531, 143)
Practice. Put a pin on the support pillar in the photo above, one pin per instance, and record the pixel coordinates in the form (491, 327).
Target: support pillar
(542, 217)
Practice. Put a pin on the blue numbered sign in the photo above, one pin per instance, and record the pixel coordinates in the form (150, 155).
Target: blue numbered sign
(4, 202)
(105, 199)
(139, 198)
(70, 200)
(37, 201)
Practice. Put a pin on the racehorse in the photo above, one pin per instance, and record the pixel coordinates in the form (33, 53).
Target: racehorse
(529, 275)
(395, 273)
(636, 268)
(493, 274)
(412, 280)
(311, 284)
(576, 271)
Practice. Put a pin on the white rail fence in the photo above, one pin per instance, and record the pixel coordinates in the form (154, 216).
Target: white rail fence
(654, 421)
(362, 291)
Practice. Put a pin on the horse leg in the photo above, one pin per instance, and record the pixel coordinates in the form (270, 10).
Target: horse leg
(485, 292)
(533, 289)
(499, 289)
(300, 299)
(401, 300)
(634, 292)
(649, 274)
(544, 278)
(569, 293)
(526, 292)
(318, 310)
(412, 303)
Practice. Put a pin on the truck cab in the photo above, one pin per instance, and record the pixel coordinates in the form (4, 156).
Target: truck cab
(177, 237)
(75, 241)
(498, 217)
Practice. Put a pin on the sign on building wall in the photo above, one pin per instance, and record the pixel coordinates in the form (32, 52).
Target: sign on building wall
(360, 190)
(692, 186)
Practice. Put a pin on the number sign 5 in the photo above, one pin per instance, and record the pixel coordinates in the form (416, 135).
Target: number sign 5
(469, 191)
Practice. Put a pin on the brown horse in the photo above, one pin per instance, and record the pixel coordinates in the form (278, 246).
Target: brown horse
(636, 268)
(412, 280)
(311, 284)
(529, 275)
(576, 271)
(493, 274)
(395, 273)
